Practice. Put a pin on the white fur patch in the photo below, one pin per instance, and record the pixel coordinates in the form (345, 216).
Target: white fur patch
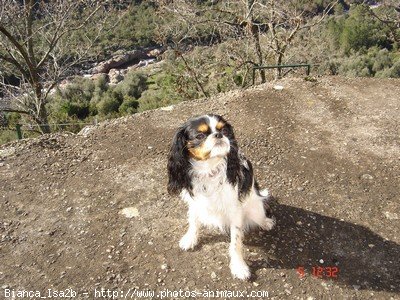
(213, 123)
(215, 200)
(264, 193)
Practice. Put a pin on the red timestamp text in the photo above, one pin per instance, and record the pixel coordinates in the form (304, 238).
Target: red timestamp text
(319, 271)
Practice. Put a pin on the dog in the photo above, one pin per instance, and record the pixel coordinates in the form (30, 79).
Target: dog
(215, 179)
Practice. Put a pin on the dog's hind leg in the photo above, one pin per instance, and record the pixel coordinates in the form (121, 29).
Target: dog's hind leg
(257, 212)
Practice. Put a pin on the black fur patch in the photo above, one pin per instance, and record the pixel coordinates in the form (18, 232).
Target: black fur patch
(246, 181)
(178, 164)
(233, 164)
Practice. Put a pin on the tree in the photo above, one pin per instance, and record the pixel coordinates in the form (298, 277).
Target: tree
(41, 42)
(269, 26)
(285, 19)
(207, 23)
(388, 13)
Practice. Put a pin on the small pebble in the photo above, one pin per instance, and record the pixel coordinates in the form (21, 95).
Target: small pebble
(367, 177)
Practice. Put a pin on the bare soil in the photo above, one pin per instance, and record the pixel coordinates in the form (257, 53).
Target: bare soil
(328, 150)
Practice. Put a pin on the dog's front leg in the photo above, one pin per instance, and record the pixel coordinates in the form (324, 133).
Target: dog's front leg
(238, 266)
(190, 239)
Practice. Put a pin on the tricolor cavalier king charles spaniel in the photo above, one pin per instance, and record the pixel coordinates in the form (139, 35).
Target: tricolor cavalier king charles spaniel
(216, 181)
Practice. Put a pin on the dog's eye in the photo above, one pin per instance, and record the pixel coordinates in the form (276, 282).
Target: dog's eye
(224, 131)
(200, 136)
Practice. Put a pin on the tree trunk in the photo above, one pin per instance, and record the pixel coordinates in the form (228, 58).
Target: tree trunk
(259, 54)
(254, 32)
(278, 73)
(42, 120)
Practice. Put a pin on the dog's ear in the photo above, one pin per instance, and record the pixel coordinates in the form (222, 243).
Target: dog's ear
(233, 165)
(178, 164)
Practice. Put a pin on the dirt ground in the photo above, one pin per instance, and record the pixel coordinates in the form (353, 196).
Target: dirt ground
(328, 150)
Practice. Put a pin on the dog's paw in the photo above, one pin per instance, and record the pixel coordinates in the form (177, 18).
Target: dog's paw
(268, 223)
(187, 242)
(240, 270)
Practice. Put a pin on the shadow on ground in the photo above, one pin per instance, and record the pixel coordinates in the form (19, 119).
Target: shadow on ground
(302, 238)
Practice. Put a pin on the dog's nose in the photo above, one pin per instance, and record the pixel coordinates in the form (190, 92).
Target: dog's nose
(218, 135)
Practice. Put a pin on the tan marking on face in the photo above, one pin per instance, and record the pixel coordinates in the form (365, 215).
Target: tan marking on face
(198, 153)
(203, 128)
(220, 124)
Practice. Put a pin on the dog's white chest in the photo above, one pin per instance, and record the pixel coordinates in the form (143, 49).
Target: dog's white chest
(214, 200)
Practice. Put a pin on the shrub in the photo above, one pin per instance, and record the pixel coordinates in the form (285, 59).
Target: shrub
(129, 105)
(7, 136)
(150, 100)
(100, 87)
(374, 62)
(77, 109)
(361, 30)
(382, 60)
(73, 100)
(393, 71)
(133, 85)
(110, 103)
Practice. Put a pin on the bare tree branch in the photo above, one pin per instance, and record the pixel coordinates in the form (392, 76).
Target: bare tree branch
(24, 37)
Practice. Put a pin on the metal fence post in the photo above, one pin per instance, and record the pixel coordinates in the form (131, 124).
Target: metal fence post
(19, 132)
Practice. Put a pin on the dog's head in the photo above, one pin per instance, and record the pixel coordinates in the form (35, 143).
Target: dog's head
(200, 139)
(208, 137)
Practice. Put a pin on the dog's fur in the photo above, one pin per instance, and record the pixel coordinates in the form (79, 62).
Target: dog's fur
(216, 181)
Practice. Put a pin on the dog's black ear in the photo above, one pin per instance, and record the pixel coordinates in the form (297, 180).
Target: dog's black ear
(178, 164)
(233, 165)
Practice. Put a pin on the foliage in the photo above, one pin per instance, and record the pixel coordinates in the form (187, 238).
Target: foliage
(133, 26)
(37, 49)
(7, 136)
(350, 44)
(110, 103)
(82, 99)
(133, 85)
(361, 30)
(216, 52)
(128, 106)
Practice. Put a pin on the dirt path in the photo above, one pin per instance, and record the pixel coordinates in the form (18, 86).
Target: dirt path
(328, 150)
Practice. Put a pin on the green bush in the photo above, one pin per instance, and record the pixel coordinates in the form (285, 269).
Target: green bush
(374, 62)
(110, 102)
(362, 30)
(7, 136)
(76, 109)
(74, 100)
(129, 105)
(150, 100)
(133, 85)
(393, 71)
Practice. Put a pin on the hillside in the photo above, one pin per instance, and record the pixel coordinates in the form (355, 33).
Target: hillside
(328, 151)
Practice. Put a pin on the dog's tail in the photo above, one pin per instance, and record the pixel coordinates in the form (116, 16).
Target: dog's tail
(264, 193)
(268, 199)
